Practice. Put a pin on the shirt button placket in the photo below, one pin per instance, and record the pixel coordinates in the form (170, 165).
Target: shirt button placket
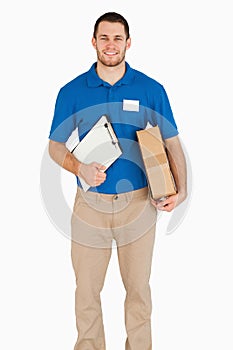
(111, 94)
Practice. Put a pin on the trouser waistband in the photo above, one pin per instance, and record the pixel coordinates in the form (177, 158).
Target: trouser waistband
(126, 196)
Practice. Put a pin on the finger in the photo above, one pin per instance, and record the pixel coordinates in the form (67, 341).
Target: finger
(167, 208)
(102, 168)
(159, 203)
(100, 176)
(99, 166)
(98, 183)
(162, 205)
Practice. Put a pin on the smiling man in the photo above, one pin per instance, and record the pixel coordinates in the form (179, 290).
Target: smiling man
(118, 205)
(111, 43)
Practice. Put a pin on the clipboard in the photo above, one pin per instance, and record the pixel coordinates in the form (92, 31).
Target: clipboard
(99, 145)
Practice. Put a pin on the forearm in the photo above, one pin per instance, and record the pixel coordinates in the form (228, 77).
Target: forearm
(62, 156)
(178, 164)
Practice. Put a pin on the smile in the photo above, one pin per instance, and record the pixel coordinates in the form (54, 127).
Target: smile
(110, 53)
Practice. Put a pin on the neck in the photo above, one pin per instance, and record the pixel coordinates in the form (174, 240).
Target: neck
(110, 74)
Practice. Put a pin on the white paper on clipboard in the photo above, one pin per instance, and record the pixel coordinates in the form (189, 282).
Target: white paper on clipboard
(99, 145)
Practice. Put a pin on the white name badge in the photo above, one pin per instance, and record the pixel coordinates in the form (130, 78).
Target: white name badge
(131, 105)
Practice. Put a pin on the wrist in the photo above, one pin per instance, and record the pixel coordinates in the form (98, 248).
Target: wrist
(78, 169)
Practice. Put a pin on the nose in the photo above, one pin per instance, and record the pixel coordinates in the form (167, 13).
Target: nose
(110, 42)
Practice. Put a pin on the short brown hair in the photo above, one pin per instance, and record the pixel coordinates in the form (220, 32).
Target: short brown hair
(112, 17)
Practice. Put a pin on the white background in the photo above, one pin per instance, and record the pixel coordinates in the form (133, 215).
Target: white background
(186, 46)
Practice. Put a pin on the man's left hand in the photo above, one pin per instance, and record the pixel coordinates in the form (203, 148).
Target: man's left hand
(169, 203)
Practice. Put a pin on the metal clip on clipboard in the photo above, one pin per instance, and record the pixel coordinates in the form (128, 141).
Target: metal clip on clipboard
(111, 133)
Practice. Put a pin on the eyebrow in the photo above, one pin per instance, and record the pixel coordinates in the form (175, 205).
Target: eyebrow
(116, 36)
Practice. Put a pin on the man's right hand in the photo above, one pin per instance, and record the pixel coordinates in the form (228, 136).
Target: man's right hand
(93, 173)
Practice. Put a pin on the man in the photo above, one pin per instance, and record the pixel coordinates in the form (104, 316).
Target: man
(117, 206)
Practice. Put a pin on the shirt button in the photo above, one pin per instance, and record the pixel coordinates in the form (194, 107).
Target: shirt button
(116, 197)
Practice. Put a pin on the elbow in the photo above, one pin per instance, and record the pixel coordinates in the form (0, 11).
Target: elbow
(52, 149)
(57, 151)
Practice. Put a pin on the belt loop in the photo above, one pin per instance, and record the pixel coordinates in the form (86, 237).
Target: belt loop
(130, 196)
(98, 198)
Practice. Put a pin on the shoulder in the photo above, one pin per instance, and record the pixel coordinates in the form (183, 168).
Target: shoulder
(148, 80)
(69, 90)
(75, 83)
(152, 87)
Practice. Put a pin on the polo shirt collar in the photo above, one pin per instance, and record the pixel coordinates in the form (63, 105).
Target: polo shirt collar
(93, 80)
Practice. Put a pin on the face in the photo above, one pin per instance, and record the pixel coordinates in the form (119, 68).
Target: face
(111, 43)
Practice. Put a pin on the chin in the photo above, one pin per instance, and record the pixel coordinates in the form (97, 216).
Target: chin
(111, 63)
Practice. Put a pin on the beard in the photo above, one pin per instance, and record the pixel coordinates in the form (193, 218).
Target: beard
(110, 61)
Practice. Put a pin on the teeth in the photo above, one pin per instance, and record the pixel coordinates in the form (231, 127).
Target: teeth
(110, 53)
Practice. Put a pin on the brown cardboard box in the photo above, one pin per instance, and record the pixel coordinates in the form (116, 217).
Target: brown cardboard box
(159, 175)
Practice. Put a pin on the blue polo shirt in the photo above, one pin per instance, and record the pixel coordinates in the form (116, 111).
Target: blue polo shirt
(82, 101)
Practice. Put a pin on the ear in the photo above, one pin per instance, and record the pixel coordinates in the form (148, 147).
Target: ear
(93, 41)
(128, 43)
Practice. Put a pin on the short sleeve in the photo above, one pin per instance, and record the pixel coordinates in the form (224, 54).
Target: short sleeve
(163, 115)
(63, 122)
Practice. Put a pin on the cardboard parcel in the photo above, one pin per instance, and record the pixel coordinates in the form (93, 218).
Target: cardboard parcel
(159, 175)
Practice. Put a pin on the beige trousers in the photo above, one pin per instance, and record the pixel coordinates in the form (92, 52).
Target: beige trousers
(97, 219)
